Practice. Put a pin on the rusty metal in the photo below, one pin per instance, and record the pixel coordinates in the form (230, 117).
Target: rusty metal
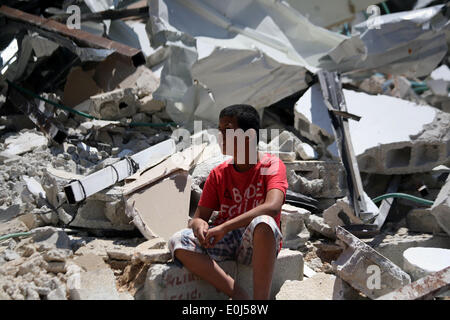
(80, 37)
(423, 289)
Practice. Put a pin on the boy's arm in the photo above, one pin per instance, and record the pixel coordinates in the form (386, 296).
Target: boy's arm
(271, 206)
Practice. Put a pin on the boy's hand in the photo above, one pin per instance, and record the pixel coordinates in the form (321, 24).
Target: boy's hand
(214, 235)
(200, 228)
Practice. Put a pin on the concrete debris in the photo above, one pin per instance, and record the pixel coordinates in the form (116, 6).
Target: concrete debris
(93, 285)
(101, 160)
(295, 233)
(321, 286)
(376, 151)
(359, 262)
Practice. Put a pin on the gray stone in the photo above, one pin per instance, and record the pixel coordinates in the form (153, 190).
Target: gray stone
(340, 214)
(57, 294)
(293, 227)
(10, 255)
(321, 286)
(317, 224)
(153, 255)
(93, 285)
(365, 269)
(57, 255)
(51, 236)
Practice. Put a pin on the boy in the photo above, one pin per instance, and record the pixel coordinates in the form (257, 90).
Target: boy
(248, 191)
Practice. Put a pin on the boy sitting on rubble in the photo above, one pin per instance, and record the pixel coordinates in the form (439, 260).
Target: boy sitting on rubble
(248, 191)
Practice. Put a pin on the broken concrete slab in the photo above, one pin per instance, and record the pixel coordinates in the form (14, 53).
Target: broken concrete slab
(317, 224)
(420, 262)
(318, 179)
(153, 255)
(321, 286)
(170, 282)
(90, 262)
(376, 151)
(423, 289)
(293, 227)
(441, 207)
(340, 214)
(159, 217)
(52, 237)
(93, 285)
(365, 269)
(23, 142)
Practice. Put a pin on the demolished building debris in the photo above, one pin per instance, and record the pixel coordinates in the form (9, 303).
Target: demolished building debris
(101, 161)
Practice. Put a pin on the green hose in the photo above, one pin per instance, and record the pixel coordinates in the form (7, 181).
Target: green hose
(385, 7)
(15, 235)
(83, 114)
(403, 196)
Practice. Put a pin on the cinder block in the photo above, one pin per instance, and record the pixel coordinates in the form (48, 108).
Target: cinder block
(318, 179)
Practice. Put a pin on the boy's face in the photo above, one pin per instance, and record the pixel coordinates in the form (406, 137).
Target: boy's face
(240, 148)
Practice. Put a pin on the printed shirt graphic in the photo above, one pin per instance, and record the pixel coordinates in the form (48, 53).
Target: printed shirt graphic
(233, 193)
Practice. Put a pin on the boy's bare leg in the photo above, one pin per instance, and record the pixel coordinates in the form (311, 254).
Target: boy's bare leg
(206, 268)
(263, 261)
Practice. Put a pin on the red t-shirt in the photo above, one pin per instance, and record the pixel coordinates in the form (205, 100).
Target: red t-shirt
(233, 193)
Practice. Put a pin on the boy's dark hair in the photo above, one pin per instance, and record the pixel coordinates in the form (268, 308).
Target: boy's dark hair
(246, 115)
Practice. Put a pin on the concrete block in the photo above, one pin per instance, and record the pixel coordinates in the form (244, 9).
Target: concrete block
(420, 262)
(170, 282)
(93, 285)
(317, 224)
(317, 179)
(441, 207)
(340, 214)
(153, 255)
(293, 227)
(365, 269)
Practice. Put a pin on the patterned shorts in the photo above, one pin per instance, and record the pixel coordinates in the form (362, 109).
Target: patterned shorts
(236, 245)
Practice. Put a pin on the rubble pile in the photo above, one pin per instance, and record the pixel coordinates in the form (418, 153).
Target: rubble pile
(108, 131)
